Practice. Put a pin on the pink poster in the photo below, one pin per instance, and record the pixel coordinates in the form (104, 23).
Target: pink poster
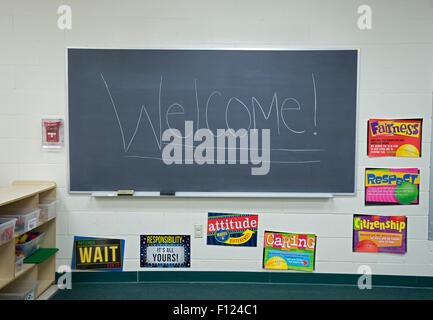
(392, 186)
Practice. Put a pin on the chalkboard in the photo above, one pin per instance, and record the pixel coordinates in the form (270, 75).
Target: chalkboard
(212, 120)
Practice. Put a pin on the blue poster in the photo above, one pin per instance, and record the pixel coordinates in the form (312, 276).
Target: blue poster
(98, 254)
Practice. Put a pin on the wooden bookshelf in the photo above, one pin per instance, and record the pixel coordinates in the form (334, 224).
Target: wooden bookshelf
(28, 194)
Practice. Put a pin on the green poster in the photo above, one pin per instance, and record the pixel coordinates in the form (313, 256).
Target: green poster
(284, 251)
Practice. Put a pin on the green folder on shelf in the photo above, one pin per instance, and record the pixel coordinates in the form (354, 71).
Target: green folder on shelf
(41, 255)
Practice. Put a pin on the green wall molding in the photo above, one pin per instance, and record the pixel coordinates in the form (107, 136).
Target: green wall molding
(249, 277)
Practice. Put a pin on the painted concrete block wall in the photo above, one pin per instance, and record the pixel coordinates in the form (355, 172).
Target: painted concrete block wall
(396, 81)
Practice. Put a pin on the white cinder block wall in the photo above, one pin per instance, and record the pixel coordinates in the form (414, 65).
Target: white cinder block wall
(396, 81)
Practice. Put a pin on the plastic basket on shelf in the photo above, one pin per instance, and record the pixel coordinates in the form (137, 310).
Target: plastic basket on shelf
(48, 209)
(19, 261)
(19, 290)
(27, 218)
(7, 227)
(28, 248)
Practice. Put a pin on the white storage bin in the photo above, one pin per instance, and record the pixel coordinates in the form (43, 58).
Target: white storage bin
(48, 209)
(19, 290)
(28, 248)
(7, 227)
(19, 261)
(27, 218)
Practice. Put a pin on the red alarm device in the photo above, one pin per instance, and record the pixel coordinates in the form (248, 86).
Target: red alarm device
(52, 133)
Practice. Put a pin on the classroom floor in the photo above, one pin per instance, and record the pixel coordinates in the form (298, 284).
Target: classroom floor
(236, 291)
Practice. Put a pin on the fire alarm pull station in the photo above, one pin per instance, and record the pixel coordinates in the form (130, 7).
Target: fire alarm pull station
(52, 133)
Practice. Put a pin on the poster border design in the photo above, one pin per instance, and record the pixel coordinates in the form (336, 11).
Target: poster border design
(186, 243)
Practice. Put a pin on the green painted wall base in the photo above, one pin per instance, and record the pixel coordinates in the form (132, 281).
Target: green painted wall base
(248, 277)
